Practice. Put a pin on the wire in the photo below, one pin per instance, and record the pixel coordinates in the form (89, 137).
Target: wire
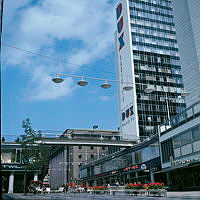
(51, 58)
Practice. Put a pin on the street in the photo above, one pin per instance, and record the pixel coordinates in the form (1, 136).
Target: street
(86, 196)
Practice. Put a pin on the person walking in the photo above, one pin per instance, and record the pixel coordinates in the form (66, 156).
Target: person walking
(73, 187)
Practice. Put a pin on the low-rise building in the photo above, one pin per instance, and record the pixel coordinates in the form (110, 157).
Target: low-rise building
(136, 164)
(65, 161)
(13, 170)
(171, 157)
(180, 147)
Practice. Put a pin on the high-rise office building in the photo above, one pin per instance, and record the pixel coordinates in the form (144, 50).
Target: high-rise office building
(148, 57)
(187, 23)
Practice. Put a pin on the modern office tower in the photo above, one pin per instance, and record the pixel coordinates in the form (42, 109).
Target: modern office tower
(147, 57)
(187, 23)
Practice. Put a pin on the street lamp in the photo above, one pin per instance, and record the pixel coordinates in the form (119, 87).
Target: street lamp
(149, 90)
(83, 82)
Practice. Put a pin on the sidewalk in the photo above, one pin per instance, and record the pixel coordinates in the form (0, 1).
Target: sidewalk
(83, 196)
(184, 194)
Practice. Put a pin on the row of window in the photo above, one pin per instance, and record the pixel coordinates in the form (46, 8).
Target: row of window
(150, 16)
(151, 20)
(186, 137)
(161, 81)
(151, 118)
(152, 30)
(176, 142)
(166, 73)
(155, 50)
(143, 155)
(152, 74)
(155, 46)
(155, 42)
(174, 61)
(80, 156)
(152, 3)
(154, 25)
(158, 70)
(80, 147)
(152, 10)
(155, 37)
(155, 34)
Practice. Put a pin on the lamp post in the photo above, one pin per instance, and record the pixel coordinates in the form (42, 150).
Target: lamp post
(149, 90)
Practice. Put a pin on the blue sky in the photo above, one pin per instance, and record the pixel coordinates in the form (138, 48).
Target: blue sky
(80, 36)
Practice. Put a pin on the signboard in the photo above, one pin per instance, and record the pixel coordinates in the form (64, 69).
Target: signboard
(143, 166)
(127, 99)
(12, 167)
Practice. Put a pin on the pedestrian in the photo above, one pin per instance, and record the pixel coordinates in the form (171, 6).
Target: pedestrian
(73, 187)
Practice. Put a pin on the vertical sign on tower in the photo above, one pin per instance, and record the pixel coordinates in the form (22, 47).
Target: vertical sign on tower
(125, 71)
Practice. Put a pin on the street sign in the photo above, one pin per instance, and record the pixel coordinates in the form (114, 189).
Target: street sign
(143, 166)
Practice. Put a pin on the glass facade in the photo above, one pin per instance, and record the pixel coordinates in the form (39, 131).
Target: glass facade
(156, 63)
(187, 142)
(123, 161)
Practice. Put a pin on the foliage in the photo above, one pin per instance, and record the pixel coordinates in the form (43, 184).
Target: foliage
(135, 186)
(155, 186)
(35, 156)
(100, 187)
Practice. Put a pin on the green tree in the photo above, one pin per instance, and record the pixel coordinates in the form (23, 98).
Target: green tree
(35, 156)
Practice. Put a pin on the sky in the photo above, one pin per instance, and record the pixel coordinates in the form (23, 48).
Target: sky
(71, 37)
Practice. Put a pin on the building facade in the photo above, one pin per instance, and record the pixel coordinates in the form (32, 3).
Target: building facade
(137, 164)
(147, 57)
(187, 18)
(65, 161)
(180, 147)
(171, 157)
(13, 170)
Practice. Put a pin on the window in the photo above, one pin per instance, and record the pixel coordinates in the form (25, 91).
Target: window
(167, 150)
(196, 133)
(18, 155)
(79, 147)
(91, 156)
(176, 142)
(186, 138)
(91, 147)
(103, 148)
(79, 156)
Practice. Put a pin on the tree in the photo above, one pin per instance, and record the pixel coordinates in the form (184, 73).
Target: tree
(35, 156)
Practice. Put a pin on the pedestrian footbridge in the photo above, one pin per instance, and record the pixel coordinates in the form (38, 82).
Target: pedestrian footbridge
(85, 142)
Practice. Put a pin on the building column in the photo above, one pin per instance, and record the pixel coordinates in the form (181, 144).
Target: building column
(11, 183)
(35, 176)
(136, 176)
(152, 177)
(168, 179)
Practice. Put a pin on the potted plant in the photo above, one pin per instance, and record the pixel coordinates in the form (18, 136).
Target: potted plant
(100, 188)
(155, 189)
(136, 188)
(155, 186)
